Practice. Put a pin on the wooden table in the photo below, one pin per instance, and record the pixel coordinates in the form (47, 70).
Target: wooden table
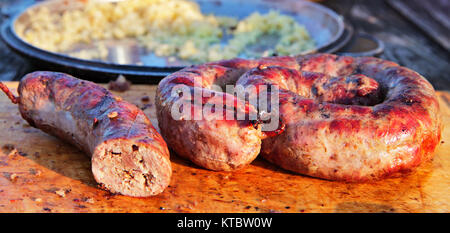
(405, 43)
(39, 173)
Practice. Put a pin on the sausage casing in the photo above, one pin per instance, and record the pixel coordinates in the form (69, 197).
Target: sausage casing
(128, 155)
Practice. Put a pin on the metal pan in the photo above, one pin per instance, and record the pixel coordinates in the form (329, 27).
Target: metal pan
(324, 26)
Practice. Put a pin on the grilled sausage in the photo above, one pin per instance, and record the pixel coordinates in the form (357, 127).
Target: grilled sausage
(344, 118)
(128, 155)
(214, 143)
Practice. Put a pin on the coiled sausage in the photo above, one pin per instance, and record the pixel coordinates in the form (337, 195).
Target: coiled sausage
(344, 118)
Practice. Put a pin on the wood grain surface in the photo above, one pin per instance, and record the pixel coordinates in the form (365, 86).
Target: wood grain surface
(39, 173)
(405, 43)
(430, 16)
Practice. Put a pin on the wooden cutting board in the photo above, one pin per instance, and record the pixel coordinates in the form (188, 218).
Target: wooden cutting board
(39, 173)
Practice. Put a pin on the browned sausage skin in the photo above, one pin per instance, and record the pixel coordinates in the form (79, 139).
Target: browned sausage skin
(212, 143)
(349, 119)
(128, 155)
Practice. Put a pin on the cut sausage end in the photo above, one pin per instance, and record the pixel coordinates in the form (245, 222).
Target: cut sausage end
(129, 168)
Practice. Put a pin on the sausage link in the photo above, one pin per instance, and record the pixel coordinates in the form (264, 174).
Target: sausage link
(343, 118)
(128, 155)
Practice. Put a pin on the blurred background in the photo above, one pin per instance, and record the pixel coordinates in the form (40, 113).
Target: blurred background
(415, 34)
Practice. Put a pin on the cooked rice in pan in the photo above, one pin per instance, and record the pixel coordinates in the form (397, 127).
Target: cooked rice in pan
(168, 28)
